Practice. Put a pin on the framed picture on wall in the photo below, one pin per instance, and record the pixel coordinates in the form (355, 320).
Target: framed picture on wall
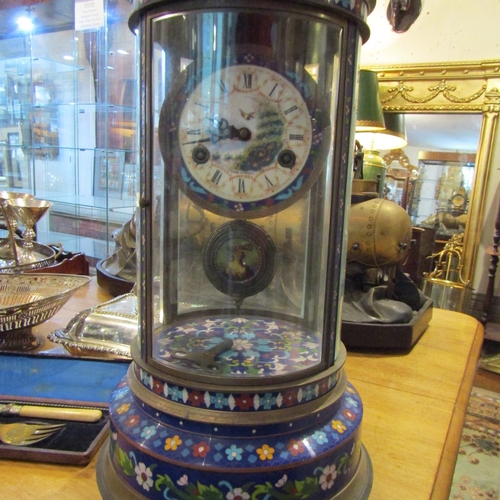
(129, 181)
(109, 173)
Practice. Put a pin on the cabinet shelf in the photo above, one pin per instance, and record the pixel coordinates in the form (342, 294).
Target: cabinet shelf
(28, 67)
(67, 127)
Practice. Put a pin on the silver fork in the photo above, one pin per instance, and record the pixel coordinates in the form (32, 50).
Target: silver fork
(20, 434)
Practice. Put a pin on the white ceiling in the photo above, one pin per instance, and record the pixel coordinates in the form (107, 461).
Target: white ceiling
(51, 15)
(446, 30)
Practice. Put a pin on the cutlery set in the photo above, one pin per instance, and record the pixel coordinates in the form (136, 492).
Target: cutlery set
(28, 433)
(25, 434)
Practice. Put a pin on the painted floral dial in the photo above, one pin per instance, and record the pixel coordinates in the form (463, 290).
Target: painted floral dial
(248, 139)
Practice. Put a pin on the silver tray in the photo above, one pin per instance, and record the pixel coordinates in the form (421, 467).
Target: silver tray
(104, 331)
(27, 300)
(40, 256)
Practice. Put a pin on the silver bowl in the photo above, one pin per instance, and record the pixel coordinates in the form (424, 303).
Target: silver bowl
(27, 300)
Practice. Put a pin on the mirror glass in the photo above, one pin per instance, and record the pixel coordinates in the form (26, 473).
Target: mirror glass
(451, 108)
(442, 147)
(443, 132)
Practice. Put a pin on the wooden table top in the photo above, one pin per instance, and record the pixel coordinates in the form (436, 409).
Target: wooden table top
(414, 407)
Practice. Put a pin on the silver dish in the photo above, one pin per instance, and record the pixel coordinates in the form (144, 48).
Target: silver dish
(27, 300)
(104, 331)
(35, 256)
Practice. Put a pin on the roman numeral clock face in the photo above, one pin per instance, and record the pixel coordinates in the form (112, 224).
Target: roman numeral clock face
(244, 140)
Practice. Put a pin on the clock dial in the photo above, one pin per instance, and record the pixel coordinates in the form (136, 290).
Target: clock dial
(458, 200)
(247, 139)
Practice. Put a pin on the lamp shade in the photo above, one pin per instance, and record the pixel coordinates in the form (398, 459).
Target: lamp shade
(392, 137)
(370, 117)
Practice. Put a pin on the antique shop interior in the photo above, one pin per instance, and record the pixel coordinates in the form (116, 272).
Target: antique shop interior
(201, 297)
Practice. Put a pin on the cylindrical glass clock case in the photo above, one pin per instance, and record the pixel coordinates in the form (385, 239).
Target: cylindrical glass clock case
(237, 388)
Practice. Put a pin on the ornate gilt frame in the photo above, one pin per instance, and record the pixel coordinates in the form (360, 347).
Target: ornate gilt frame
(463, 87)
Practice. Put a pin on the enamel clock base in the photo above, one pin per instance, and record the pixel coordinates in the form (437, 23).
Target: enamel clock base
(176, 439)
(252, 348)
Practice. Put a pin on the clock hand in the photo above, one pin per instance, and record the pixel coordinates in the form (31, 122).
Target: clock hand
(222, 129)
(214, 139)
(243, 134)
(227, 131)
(205, 139)
(220, 123)
(231, 132)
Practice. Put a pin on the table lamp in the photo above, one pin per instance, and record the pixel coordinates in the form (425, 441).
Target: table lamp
(369, 119)
(236, 389)
(393, 136)
(369, 116)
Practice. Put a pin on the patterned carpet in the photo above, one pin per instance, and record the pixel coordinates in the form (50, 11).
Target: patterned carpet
(477, 472)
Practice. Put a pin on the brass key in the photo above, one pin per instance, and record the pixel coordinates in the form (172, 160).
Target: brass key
(206, 359)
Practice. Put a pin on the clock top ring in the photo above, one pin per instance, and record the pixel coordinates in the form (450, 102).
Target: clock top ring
(246, 140)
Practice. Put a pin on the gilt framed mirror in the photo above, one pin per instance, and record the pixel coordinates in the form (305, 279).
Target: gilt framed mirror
(469, 93)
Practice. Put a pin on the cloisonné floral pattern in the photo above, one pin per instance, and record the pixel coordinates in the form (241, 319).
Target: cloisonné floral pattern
(322, 483)
(235, 401)
(173, 461)
(262, 347)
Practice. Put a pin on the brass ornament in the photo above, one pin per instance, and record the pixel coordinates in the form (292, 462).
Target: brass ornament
(399, 156)
(380, 233)
(441, 88)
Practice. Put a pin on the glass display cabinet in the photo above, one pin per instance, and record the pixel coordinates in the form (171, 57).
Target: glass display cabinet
(67, 120)
(237, 387)
(441, 190)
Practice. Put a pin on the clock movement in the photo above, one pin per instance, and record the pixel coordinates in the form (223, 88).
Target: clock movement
(237, 387)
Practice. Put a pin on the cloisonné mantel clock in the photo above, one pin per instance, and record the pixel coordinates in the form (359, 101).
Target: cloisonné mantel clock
(236, 389)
